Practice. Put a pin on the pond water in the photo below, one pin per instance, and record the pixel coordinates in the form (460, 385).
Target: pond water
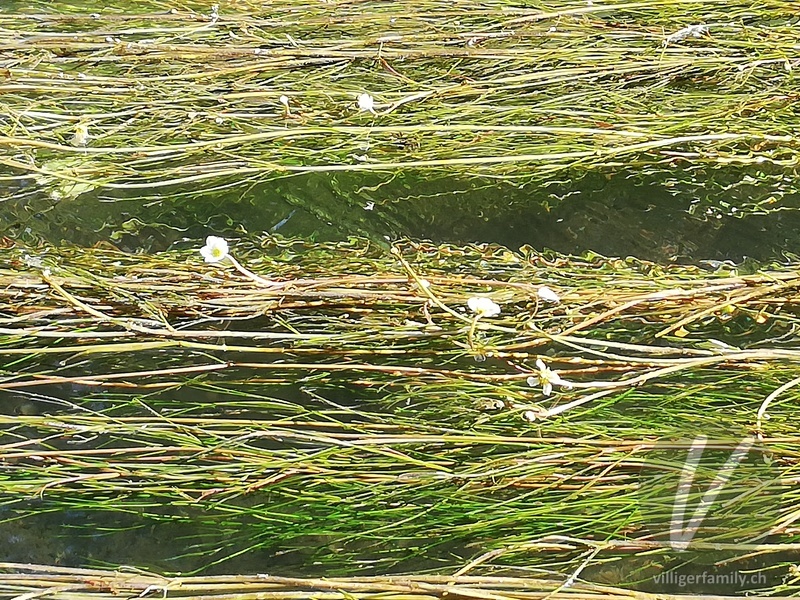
(708, 218)
(611, 216)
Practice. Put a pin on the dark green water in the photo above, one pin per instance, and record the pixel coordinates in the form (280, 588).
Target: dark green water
(618, 215)
(707, 217)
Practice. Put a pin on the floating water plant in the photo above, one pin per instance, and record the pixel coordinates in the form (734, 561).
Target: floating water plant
(401, 419)
(483, 307)
(345, 422)
(547, 378)
(216, 251)
(694, 96)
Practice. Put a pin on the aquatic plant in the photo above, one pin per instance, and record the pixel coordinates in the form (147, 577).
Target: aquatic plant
(353, 420)
(547, 378)
(695, 96)
(215, 250)
(483, 306)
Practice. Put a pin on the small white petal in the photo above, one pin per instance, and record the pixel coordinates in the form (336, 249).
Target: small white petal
(533, 381)
(529, 415)
(547, 388)
(81, 135)
(284, 100)
(483, 307)
(548, 295)
(366, 103)
(540, 364)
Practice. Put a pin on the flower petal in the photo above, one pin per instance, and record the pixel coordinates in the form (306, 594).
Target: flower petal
(366, 103)
(483, 307)
(548, 295)
(215, 250)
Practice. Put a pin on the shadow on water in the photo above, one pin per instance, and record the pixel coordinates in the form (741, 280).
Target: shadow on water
(620, 215)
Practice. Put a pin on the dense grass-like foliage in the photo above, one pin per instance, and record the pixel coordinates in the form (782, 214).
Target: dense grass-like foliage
(699, 96)
(339, 405)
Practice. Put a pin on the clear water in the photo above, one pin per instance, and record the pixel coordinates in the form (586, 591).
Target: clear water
(619, 216)
(624, 214)
(612, 216)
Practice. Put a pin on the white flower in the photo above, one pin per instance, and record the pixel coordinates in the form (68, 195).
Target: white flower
(483, 307)
(284, 99)
(366, 103)
(694, 31)
(547, 378)
(81, 135)
(215, 250)
(530, 416)
(548, 295)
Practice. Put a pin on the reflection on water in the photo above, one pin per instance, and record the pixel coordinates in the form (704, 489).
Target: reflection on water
(612, 216)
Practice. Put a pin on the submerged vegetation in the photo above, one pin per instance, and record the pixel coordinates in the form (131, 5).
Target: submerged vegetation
(403, 418)
(341, 406)
(138, 100)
